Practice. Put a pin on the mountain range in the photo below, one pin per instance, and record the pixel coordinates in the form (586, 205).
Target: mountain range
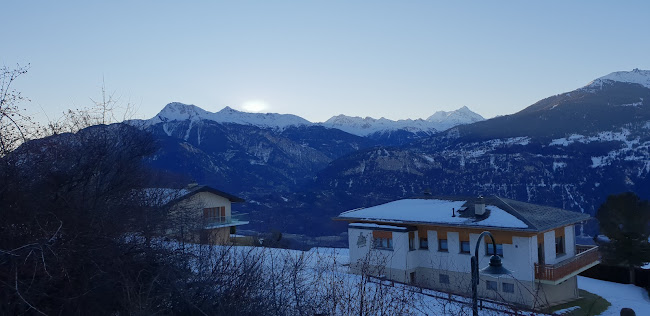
(570, 150)
(441, 120)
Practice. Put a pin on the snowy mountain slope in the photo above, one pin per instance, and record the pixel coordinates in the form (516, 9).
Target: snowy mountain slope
(605, 104)
(439, 121)
(637, 76)
(446, 120)
(365, 126)
(176, 111)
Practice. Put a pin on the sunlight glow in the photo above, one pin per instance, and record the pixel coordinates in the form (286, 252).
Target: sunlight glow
(255, 106)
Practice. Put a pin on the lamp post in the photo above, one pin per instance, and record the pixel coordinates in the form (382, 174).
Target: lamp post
(495, 268)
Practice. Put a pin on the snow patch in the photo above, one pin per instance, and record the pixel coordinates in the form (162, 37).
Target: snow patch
(600, 137)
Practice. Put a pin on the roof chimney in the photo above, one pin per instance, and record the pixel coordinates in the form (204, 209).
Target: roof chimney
(192, 185)
(479, 206)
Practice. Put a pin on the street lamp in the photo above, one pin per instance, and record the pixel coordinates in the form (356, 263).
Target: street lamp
(495, 268)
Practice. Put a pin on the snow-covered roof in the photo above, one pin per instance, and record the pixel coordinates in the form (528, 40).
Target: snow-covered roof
(434, 211)
(500, 213)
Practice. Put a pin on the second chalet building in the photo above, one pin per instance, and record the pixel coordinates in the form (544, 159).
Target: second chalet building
(429, 241)
(200, 213)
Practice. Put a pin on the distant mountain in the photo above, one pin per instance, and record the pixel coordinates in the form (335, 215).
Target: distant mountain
(247, 159)
(603, 104)
(635, 76)
(180, 112)
(439, 121)
(445, 120)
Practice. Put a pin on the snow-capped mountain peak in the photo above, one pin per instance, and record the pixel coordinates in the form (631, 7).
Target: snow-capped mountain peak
(179, 112)
(637, 76)
(448, 119)
(272, 120)
(361, 126)
(440, 120)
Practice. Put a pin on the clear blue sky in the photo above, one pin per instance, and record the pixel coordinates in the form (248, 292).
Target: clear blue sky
(316, 59)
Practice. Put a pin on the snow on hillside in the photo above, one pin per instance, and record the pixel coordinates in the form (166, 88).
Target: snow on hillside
(365, 126)
(641, 77)
(439, 121)
(179, 112)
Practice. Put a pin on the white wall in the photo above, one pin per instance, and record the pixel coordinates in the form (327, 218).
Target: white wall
(569, 245)
(570, 241)
(359, 247)
(549, 247)
(518, 257)
(361, 252)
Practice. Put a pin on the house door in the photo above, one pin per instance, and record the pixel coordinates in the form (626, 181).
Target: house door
(540, 253)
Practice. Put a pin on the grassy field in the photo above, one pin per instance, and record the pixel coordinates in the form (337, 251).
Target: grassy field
(589, 304)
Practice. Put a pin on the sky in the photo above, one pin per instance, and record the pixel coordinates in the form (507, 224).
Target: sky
(317, 59)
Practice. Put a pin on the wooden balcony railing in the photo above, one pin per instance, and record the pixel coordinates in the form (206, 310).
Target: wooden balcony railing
(585, 255)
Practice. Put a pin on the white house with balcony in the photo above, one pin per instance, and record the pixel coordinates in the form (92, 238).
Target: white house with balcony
(429, 241)
(201, 213)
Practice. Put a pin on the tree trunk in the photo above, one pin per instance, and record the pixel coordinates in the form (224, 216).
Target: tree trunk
(632, 276)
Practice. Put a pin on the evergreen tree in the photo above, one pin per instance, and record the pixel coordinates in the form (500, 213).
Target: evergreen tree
(625, 220)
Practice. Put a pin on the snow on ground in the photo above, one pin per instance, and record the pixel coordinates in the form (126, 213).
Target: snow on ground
(332, 264)
(619, 295)
(424, 301)
(432, 211)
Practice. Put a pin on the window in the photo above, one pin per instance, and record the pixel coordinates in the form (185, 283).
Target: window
(491, 285)
(411, 243)
(559, 245)
(215, 213)
(424, 243)
(443, 278)
(489, 250)
(508, 287)
(442, 245)
(464, 247)
(384, 243)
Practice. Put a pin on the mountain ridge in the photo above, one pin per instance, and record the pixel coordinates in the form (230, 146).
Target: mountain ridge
(441, 120)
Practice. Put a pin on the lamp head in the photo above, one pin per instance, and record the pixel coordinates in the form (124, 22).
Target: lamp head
(495, 268)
